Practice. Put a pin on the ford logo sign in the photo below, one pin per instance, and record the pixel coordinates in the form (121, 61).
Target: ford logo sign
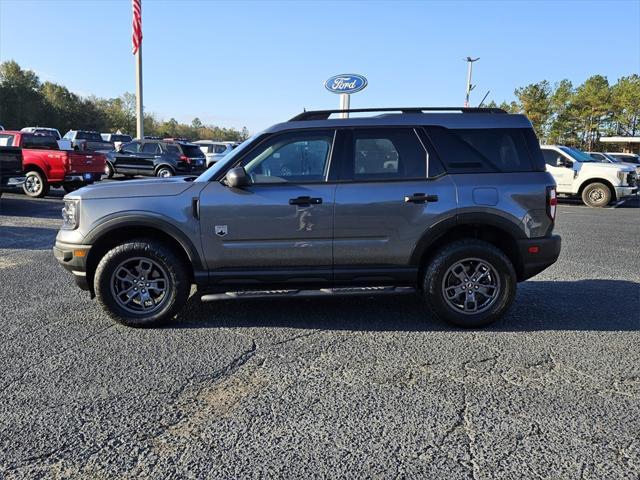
(346, 83)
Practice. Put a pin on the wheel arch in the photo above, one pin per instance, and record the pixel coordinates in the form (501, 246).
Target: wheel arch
(493, 229)
(118, 230)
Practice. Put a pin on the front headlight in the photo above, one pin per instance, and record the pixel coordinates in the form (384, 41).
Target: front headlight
(622, 176)
(71, 214)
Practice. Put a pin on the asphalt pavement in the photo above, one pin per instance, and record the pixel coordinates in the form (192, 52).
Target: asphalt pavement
(338, 388)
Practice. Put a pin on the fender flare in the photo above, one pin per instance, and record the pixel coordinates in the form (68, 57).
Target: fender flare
(147, 219)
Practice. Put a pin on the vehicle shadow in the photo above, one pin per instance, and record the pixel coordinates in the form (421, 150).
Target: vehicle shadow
(31, 207)
(598, 305)
(27, 238)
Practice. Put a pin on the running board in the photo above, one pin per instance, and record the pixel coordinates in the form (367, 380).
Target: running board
(323, 292)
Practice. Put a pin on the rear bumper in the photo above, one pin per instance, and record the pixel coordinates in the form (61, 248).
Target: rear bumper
(74, 259)
(88, 177)
(14, 182)
(535, 260)
(622, 192)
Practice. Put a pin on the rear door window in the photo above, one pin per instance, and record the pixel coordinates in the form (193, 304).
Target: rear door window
(387, 154)
(152, 148)
(132, 147)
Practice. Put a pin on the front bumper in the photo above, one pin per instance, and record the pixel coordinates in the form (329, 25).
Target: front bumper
(74, 259)
(537, 254)
(622, 192)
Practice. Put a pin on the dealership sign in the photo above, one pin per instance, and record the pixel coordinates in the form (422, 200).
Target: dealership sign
(346, 83)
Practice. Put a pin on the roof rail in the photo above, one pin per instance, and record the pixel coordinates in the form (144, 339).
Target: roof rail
(325, 114)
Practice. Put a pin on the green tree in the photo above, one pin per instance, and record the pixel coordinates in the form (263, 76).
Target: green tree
(21, 103)
(592, 102)
(625, 100)
(535, 102)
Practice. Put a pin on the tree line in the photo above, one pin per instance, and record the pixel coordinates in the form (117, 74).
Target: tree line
(579, 115)
(561, 113)
(25, 101)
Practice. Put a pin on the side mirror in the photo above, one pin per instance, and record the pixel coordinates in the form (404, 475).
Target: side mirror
(237, 178)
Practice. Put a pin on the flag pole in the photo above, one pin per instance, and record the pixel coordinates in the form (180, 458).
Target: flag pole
(139, 113)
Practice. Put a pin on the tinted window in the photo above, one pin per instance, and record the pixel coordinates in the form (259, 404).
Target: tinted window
(219, 148)
(44, 142)
(191, 151)
(6, 140)
(598, 156)
(294, 157)
(133, 147)
(120, 138)
(53, 133)
(90, 136)
(388, 154)
(151, 148)
(483, 150)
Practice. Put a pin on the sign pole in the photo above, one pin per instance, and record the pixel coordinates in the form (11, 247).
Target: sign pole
(139, 112)
(345, 102)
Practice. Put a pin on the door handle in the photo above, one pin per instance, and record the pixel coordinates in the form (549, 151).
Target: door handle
(420, 198)
(305, 201)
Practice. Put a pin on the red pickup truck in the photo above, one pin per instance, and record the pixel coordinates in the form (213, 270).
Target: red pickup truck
(46, 166)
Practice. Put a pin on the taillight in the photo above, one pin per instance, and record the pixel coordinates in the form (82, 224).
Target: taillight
(185, 159)
(552, 203)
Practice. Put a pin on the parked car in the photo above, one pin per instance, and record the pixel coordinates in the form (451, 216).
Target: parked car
(626, 157)
(457, 206)
(215, 151)
(116, 139)
(10, 168)
(87, 140)
(608, 158)
(579, 175)
(160, 158)
(46, 166)
(63, 143)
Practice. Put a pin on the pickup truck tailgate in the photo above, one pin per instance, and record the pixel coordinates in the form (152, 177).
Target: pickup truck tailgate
(80, 162)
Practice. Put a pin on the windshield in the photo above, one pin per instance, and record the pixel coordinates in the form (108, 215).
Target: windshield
(214, 169)
(578, 155)
(89, 136)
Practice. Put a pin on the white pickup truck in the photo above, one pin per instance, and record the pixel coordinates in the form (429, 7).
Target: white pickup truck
(579, 175)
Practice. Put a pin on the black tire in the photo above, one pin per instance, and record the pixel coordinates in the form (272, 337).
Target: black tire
(108, 170)
(164, 172)
(70, 187)
(596, 195)
(35, 185)
(177, 287)
(469, 250)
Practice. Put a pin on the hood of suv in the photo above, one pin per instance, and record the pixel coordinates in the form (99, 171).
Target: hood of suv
(156, 187)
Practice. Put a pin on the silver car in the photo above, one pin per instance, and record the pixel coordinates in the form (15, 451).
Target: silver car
(452, 203)
(215, 151)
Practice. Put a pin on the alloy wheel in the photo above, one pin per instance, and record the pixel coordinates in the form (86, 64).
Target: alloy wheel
(471, 286)
(140, 285)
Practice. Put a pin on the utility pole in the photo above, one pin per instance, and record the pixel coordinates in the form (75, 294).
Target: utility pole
(470, 87)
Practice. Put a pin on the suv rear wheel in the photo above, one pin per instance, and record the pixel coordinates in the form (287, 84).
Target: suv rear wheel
(141, 283)
(164, 172)
(469, 283)
(35, 184)
(596, 195)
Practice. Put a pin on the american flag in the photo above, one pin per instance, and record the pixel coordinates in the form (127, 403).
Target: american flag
(137, 25)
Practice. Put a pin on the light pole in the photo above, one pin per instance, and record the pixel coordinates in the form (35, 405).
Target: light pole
(470, 87)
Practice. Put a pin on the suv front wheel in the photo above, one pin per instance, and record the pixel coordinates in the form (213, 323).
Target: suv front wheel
(469, 283)
(596, 195)
(141, 283)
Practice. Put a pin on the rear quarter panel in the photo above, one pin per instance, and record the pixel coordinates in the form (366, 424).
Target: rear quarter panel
(518, 199)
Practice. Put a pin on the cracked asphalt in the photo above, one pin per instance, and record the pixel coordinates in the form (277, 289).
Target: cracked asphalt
(339, 388)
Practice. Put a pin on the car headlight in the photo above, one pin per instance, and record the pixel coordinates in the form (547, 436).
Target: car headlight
(622, 176)
(71, 214)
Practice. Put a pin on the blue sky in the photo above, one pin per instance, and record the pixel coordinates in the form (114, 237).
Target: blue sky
(258, 63)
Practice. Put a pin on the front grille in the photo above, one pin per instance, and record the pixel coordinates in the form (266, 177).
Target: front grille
(632, 179)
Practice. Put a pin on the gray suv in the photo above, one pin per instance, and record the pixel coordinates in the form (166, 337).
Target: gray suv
(454, 203)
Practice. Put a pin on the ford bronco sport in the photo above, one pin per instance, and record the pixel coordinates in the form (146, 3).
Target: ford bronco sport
(452, 202)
